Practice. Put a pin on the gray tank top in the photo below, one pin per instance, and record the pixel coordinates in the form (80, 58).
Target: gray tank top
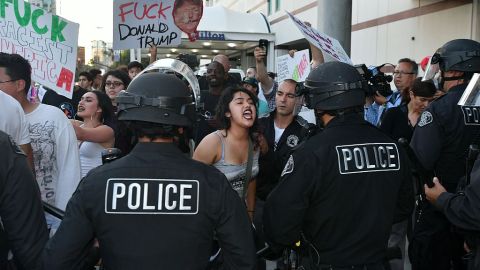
(235, 173)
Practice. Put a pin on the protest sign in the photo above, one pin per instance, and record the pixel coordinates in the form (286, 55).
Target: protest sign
(328, 45)
(296, 68)
(47, 41)
(144, 23)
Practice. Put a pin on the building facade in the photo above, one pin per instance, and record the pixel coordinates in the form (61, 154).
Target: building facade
(382, 31)
(48, 5)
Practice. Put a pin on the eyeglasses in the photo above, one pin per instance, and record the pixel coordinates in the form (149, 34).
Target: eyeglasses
(13, 80)
(401, 73)
(115, 84)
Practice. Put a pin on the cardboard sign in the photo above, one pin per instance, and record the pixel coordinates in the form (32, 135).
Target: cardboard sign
(296, 68)
(144, 23)
(327, 44)
(47, 41)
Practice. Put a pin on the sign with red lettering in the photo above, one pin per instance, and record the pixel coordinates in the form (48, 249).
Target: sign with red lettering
(296, 68)
(144, 23)
(327, 44)
(47, 41)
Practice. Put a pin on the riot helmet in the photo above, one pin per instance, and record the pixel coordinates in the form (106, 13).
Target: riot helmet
(456, 55)
(157, 98)
(333, 86)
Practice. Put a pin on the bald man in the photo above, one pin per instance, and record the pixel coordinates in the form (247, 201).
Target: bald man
(229, 80)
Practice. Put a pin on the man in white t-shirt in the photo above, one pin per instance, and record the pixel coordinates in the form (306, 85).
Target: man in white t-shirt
(54, 143)
(13, 122)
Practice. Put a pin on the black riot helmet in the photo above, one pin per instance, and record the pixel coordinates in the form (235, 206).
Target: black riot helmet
(157, 98)
(458, 54)
(334, 86)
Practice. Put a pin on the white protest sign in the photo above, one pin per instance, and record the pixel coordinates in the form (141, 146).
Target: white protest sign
(47, 41)
(144, 23)
(296, 68)
(327, 44)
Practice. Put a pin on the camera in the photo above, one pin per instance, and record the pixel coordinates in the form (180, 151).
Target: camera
(376, 78)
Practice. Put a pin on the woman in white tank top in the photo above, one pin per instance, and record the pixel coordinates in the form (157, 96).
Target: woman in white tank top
(227, 149)
(93, 134)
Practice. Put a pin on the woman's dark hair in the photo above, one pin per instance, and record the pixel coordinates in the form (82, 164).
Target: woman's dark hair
(117, 74)
(108, 116)
(223, 107)
(423, 88)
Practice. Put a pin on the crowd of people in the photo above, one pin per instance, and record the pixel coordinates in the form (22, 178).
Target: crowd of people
(336, 194)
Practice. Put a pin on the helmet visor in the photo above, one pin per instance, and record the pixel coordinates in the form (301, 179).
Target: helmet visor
(471, 95)
(432, 72)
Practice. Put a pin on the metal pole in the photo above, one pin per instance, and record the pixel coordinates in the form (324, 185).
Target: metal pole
(476, 20)
(335, 20)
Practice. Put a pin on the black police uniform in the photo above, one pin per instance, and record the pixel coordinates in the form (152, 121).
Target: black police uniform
(342, 190)
(441, 138)
(24, 229)
(154, 208)
(440, 141)
(273, 162)
(462, 210)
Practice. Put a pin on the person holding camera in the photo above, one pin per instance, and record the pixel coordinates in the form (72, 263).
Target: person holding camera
(376, 104)
(155, 207)
(340, 192)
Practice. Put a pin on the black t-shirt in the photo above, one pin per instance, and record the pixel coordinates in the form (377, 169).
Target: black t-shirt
(207, 123)
(396, 123)
(68, 106)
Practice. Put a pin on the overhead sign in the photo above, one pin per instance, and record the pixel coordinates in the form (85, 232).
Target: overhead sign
(207, 35)
(47, 41)
(296, 68)
(327, 44)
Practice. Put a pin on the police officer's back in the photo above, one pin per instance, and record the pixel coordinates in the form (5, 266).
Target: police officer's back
(154, 208)
(23, 226)
(343, 189)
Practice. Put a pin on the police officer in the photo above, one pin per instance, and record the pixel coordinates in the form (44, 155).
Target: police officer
(23, 229)
(154, 207)
(341, 191)
(461, 208)
(440, 141)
